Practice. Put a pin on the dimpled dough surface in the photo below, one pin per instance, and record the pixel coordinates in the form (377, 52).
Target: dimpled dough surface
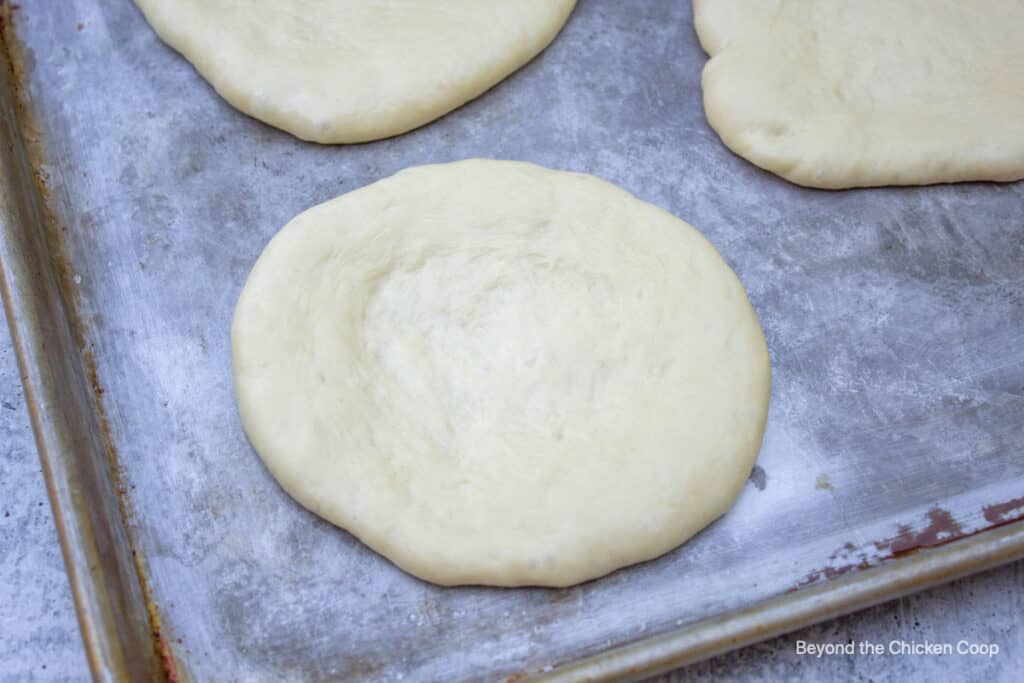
(354, 70)
(495, 373)
(853, 93)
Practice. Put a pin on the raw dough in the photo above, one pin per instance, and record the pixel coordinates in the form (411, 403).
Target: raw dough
(851, 93)
(354, 70)
(495, 373)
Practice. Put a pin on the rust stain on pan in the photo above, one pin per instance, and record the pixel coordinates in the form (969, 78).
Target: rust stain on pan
(526, 675)
(15, 64)
(163, 649)
(1001, 512)
(842, 561)
(941, 529)
(7, 13)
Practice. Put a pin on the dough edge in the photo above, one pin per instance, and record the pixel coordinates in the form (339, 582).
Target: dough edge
(720, 24)
(240, 93)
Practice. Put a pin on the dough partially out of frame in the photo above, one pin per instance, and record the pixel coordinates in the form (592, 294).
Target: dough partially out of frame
(853, 93)
(354, 70)
(495, 373)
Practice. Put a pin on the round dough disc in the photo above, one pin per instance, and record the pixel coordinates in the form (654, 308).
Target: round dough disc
(495, 373)
(354, 70)
(837, 94)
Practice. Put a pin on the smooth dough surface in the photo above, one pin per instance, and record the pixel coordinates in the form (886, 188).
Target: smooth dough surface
(336, 71)
(495, 373)
(853, 93)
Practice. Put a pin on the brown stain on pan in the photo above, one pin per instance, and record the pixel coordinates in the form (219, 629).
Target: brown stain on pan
(7, 13)
(1000, 513)
(166, 658)
(941, 529)
(842, 561)
(15, 63)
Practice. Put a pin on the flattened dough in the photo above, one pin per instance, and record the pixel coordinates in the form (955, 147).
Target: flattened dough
(854, 93)
(495, 373)
(354, 70)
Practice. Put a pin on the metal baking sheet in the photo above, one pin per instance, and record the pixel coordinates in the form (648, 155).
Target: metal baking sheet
(134, 201)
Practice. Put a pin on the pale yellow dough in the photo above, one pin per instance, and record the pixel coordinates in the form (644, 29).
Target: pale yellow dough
(851, 93)
(354, 70)
(495, 373)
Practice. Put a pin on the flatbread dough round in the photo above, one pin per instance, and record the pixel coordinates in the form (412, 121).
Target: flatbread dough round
(837, 94)
(354, 70)
(495, 373)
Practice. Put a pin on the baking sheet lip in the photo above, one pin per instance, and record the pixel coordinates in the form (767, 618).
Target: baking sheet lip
(52, 467)
(28, 307)
(87, 614)
(790, 611)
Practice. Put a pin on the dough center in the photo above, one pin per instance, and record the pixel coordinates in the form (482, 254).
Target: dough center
(526, 324)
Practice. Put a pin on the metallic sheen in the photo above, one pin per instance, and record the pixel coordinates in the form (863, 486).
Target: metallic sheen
(134, 201)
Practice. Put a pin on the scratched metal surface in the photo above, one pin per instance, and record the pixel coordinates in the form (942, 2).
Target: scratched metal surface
(895, 319)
